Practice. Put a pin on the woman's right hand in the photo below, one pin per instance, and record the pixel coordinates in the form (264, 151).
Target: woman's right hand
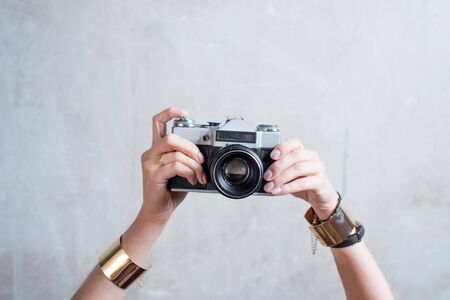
(169, 156)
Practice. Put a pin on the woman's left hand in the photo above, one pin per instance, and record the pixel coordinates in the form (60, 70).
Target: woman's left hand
(300, 172)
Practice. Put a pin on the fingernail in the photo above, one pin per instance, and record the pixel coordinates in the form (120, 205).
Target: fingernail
(185, 113)
(268, 187)
(275, 154)
(267, 175)
(205, 181)
(200, 157)
(276, 190)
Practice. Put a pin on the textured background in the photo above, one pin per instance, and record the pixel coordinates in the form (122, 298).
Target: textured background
(365, 83)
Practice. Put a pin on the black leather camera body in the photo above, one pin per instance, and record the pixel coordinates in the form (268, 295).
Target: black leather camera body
(236, 156)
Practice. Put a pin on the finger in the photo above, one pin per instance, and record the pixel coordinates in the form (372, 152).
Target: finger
(176, 169)
(170, 157)
(298, 185)
(298, 170)
(173, 142)
(285, 147)
(295, 156)
(160, 120)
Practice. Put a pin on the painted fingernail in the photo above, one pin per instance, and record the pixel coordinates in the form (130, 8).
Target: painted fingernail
(200, 157)
(205, 181)
(276, 190)
(267, 175)
(268, 187)
(275, 154)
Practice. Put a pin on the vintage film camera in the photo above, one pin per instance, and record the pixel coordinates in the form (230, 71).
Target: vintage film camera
(236, 156)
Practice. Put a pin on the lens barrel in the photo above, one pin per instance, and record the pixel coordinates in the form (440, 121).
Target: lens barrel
(237, 171)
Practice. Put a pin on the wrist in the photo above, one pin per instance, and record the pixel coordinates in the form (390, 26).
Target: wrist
(159, 220)
(326, 210)
(148, 215)
(140, 236)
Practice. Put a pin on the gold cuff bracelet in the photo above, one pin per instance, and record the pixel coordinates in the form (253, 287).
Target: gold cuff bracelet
(118, 266)
(334, 230)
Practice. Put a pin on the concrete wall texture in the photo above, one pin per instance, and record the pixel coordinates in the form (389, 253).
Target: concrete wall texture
(365, 83)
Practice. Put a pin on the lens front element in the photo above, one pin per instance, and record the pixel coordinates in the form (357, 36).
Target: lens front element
(236, 171)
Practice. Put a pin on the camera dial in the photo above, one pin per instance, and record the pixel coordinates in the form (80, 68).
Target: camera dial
(183, 122)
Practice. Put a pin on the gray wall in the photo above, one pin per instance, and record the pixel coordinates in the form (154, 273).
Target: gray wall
(365, 83)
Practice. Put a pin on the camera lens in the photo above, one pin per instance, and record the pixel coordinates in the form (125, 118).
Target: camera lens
(236, 171)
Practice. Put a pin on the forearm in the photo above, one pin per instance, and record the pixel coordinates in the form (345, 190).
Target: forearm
(360, 274)
(136, 242)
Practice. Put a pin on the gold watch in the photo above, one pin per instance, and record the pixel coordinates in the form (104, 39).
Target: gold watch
(118, 266)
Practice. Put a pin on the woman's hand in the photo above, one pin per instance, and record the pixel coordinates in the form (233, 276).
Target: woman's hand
(170, 155)
(300, 172)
